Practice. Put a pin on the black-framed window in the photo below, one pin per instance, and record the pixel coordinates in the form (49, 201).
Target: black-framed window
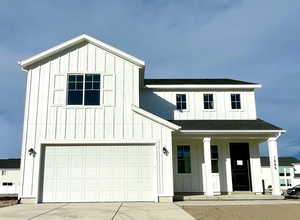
(184, 159)
(235, 101)
(92, 89)
(208, 101)
(214, 159)
(180, 101)
(83, 88)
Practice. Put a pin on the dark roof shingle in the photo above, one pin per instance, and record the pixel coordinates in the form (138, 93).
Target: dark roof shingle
(283, 161)
(196, 82)
(10, 163)
(225, 125)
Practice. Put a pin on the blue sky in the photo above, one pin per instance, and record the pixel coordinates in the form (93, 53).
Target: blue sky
(253, 40)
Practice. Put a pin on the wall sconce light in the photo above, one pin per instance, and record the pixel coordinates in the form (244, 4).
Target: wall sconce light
(32, 152)
(165, 151)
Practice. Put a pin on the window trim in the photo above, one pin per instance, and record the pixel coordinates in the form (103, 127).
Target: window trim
(187, 101)
(241, 103)
(83, 89)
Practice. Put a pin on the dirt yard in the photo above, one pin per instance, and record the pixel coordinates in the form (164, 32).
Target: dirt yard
(244, 212)
(8, 201)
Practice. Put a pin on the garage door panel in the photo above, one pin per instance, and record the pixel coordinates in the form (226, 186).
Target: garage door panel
(99, 173)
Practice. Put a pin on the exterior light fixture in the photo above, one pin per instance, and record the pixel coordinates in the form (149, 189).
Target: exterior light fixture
(31, 152)
(165, 151)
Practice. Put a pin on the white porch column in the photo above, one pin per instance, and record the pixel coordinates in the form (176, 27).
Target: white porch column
(207, 161)
(273, 156)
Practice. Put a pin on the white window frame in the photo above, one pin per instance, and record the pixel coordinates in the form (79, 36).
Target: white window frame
(214, 102)
(187, 101)
(83, 89)
(241, 102)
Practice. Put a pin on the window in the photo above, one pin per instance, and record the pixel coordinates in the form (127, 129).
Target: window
(3, 172)
(208, 101)
(282, 182)
(84, 89)
(181, 101)
(281, 171)
(214, 159)
(289, 183)
(235, 101)
(184, 159)
(288, 172)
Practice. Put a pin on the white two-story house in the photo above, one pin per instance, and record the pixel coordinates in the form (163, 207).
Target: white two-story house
(96, 130)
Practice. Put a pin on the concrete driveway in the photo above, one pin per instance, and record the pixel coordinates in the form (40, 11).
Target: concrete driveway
(103, 211)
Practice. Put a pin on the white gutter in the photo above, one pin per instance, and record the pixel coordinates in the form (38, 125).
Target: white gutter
(195, 86)
(233, 131)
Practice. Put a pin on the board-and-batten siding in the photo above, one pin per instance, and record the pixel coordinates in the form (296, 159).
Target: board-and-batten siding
(47, 118)
(163, 103)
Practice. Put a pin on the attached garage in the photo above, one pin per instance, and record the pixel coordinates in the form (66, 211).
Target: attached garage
(103, 173)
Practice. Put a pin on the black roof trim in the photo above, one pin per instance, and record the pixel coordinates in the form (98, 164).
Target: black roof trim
(196, 82)
(283, 161)
(225, 125)
(10, 163)
(297, 175)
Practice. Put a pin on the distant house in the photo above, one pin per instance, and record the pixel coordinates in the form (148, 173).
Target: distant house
(9, 176)
(289, 172)
(95, 130)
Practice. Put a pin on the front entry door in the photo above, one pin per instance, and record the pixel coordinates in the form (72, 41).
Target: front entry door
(240, 165)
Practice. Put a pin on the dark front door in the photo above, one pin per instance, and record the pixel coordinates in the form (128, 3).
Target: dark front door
(240, 166)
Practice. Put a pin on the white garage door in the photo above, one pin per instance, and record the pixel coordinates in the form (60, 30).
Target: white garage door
(99, 173)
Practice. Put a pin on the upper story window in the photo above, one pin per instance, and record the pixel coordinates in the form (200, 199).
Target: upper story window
(214, 159)
(235, 101)
(208, 101)
(84, 88)
(281, 171)
(184, 159)
(180, 101)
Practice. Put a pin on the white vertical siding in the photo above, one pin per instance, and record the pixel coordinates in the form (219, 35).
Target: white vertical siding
(163, 103)
(49, 119)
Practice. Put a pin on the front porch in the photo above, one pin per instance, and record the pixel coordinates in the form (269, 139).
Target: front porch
(222, 165)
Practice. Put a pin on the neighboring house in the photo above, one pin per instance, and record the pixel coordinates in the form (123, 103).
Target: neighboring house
(96, 130)
(9, 176)
(289, 176)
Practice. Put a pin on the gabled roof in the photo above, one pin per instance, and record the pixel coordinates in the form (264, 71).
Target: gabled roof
(10, 163)
(82, 38)
(227, 126)
(198, 83)
(283, 161)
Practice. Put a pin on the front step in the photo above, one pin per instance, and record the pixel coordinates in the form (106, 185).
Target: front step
(233, 197)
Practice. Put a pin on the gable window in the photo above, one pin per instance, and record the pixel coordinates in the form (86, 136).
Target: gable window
(83, 89)
(235, 101)
(184, 159)
(214, 159)
(208, 101)
(180, 101)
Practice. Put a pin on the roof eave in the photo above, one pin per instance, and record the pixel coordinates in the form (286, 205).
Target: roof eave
(232, 131)
(197, 86)
(40, 56)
